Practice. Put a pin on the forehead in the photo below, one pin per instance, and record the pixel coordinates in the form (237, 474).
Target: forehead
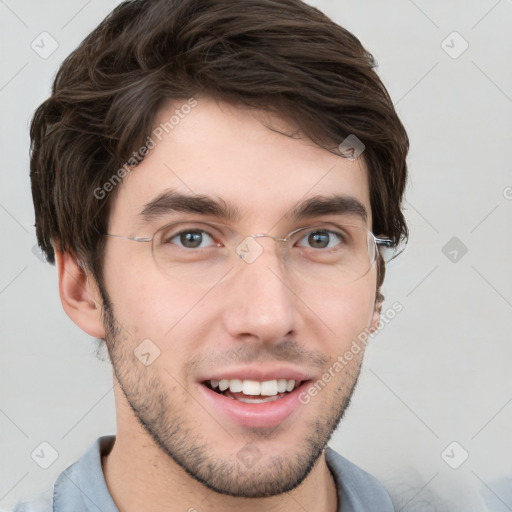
(230, 154)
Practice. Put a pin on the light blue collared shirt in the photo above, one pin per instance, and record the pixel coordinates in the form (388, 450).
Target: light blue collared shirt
(82, 487)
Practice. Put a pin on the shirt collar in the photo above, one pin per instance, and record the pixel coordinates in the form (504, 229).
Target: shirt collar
(83, 483)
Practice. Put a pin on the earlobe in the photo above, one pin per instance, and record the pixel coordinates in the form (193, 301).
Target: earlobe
(379, 299)
(79, 295)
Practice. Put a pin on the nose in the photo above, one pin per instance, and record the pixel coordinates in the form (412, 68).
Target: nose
(261, 304)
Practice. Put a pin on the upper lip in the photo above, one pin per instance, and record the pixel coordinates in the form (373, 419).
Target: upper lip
(259, 373)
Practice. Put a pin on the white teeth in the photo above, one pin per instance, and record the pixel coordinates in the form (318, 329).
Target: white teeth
(258, 400)
(269, 388)
(236, 385)
(251, 387)
(254, 387)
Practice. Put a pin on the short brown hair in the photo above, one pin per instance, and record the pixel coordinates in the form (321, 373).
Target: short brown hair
(282, 56)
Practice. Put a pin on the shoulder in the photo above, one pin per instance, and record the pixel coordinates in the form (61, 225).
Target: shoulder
(51, 497)
(357, 487)
(82, 481)
(41, 502)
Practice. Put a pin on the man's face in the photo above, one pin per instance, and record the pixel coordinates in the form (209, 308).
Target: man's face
(257, 321)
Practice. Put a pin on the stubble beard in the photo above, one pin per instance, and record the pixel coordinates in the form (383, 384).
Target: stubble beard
(165, 420)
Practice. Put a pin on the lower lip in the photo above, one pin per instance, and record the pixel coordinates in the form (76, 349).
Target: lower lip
(265, 414)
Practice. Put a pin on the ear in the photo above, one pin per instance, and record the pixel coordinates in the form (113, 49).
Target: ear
(379, 299)
(79, 295)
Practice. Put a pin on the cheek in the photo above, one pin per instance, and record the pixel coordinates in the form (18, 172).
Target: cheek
(349, 313)
(148, 304)
(138, 297)
(348, 310)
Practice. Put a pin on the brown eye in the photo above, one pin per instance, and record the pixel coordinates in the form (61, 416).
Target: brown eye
(321, 239)
(191, 239)
(318, 240)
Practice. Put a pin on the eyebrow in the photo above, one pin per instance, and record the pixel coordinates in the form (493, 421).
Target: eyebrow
(172, 201)
(335, 204)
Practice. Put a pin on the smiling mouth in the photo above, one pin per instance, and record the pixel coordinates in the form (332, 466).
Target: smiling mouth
(252, 391)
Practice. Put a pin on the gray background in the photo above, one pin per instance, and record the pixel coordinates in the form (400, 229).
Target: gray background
(438, 373)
